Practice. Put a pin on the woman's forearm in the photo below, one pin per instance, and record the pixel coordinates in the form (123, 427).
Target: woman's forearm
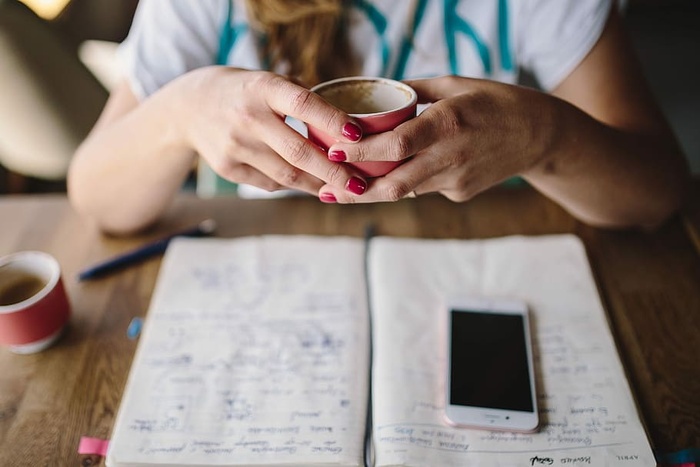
(129, 168)
(610, 177)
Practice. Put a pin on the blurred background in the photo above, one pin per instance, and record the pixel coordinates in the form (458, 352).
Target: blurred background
(57, 64)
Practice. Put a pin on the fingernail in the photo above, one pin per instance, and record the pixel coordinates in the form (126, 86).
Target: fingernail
(352, 132)
(336, 155)
(356, 185)
(327, 198)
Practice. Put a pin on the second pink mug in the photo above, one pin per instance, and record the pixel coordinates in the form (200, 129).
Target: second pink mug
(34, 307)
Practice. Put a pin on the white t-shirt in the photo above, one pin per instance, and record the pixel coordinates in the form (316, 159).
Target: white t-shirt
(490, 39)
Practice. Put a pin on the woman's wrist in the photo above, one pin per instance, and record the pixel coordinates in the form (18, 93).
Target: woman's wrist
(178, 102)
(554, 135)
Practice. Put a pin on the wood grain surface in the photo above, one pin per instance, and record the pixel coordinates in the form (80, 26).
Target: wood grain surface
(649, 283)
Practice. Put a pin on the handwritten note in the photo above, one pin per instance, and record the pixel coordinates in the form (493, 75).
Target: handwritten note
(254, 351)
(588, 415)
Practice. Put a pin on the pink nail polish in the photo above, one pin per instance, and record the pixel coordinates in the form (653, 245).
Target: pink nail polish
(356, 185)
(352, 132)
(336, 155)
(327, 198)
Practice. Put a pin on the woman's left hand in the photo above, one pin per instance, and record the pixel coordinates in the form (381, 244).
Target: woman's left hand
(474, 135)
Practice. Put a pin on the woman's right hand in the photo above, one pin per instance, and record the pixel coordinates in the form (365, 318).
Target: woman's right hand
(235, 120)
(128, 170)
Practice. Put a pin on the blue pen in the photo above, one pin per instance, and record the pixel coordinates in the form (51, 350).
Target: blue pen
(157, 247)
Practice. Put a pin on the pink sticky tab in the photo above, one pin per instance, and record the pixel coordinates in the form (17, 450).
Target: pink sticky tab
(93, 446)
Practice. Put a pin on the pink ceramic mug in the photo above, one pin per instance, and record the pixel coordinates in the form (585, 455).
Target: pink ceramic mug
(34, 308)
(377, 104)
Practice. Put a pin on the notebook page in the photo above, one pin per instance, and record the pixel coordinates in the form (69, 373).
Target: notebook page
(587, 413)
(254, 352)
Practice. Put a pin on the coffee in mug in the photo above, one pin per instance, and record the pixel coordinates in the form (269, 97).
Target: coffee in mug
(34, 307)
(18, 286)
(377, 104)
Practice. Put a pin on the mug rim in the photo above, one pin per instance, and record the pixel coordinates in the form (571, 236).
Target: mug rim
(45, 260)
(412, 92)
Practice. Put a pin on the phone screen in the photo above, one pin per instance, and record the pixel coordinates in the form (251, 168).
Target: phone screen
(488, 361)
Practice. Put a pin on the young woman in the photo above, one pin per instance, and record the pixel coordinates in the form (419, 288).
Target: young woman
(215, 79)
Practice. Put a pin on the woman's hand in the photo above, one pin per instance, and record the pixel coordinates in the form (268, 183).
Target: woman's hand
(598, 144)
(133, 163)
(236, 122)
(474, 134)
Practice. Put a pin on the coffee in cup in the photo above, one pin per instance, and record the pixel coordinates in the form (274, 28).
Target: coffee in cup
(34, 307)
(18, 287)
(377, 104)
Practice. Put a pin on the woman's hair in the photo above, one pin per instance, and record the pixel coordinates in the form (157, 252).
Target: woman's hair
(306, 38)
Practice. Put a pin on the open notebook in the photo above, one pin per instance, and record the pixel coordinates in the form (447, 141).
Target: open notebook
(256, 351)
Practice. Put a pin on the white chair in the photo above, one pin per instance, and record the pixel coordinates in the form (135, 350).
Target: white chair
(49, 100)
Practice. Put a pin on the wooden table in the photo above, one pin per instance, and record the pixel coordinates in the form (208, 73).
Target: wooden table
(649, 283)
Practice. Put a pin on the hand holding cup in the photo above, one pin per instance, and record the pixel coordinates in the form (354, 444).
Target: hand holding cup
(377, 104)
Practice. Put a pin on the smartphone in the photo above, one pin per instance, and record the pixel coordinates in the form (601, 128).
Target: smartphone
(490, 373)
